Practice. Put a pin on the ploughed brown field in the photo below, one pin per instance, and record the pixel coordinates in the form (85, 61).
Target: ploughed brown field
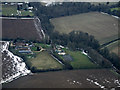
(19, 28)
(92, 78)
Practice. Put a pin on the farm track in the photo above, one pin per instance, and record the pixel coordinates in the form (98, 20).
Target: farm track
(104, 45)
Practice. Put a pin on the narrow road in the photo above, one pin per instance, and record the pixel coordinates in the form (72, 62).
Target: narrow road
(105, 44)
(57, 59)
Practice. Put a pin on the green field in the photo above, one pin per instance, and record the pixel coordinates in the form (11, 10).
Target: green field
(25, 13)
(97, 3)
(44, 61)
(44, 46)
(80, 61)
(114, 47)
(117, 8)
(103, 27)
(8, 10)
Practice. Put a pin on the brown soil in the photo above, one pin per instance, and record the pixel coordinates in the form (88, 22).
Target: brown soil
(19, 28)
(66, 79)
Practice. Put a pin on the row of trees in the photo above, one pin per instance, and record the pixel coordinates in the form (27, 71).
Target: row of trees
(75, 40)
(97, 58)
(69, 8)
(67, 65)
(112, 57)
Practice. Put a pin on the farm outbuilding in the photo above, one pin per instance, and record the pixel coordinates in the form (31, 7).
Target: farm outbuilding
(25, 51)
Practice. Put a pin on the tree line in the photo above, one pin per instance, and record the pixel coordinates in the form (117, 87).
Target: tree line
(67, 9)
(112, 57)
(76, 40)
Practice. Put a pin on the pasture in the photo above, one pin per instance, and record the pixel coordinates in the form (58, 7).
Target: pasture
(103, 27)
(44, 61)
(104, 3)
(11, 10)
(8, 10)
(114, 47)
(26, 13)
(19, 28)
(117, 8)
(80, 61)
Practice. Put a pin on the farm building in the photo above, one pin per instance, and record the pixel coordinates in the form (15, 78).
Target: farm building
(25, 51)
(22, 47)
(30, 8)
(20, 3)
(62, 53)
(59, 50)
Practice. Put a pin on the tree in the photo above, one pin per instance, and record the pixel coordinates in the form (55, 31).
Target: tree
(38, 48)
(107, 3)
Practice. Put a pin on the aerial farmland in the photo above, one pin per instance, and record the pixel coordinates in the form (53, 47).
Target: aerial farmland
(19, 28)
(60, 45)
(103, 27)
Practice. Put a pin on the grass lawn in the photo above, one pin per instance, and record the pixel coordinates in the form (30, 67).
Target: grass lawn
(42, 45)
(97, 3)
(25, 13)
(117, 8)
(43, 60)
(8, 10)
(103, 27)
(34, 48)
(81, 61)
(114, 47)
